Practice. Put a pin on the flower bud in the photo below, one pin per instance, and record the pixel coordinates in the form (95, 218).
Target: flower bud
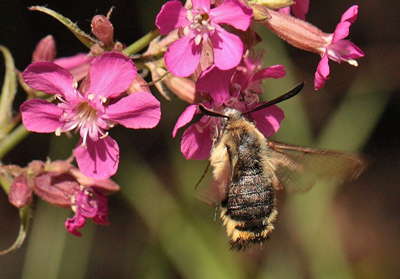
(260, 13)
(20, 192)
(45, 50)
(273, 4)
(183, 88)
(103, 29)
(139, 84)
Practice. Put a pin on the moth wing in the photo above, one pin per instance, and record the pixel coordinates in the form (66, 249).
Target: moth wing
(299, 168)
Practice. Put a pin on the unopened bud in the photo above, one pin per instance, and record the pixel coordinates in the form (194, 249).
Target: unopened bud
(45, 50)
(139, 84)
(20, 192)
(260, 13)
(103, 29)
(36, 167)
(273, 4)
(183, 88)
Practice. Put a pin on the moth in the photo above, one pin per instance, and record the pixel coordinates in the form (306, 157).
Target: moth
(249, 168)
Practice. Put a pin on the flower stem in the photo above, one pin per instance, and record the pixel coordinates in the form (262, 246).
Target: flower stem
(11, 140)
(142, 42)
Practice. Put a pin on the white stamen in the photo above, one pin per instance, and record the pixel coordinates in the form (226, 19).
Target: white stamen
(104, 136)
(189, 15)
(91, 97)
(197, 40)
(353, 62)
(103, 99)
(198, 17)
(186, 30)
(58, 132)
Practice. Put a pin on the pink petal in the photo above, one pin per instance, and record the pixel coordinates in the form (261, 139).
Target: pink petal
(182, 57)
(185, 118)
(234, 13)
(50, 78)
(72, 62)
(276, 71)
(111, 74)
(268, 120)
(203, 4)
(285, 10)
(136, 111)
(100, 159)
(171, 16)
(78, 64)
(350, 15)
(196, 145)
(321, 75)
(41, 116)
(228, 49)
(300, 8)
(73, 224)
(216, 82)
(355, 52)
(342, 29)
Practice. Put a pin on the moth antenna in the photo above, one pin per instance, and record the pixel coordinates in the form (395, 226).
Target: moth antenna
(201, 178)
(157, 80)
(279, 99)
(209, 112)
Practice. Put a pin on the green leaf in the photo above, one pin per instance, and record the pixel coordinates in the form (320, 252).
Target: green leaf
(82, 36)
(8, 91)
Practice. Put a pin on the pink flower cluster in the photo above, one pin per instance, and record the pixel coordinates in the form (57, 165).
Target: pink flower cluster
(206, 56)
(206, 40)
(214, 31)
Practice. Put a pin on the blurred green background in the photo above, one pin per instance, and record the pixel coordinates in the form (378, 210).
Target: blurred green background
(158, 226)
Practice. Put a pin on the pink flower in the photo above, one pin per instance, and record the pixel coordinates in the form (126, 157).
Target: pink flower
(93, 112)
(89, 203)
(200, 24)
(306, 36)
(198, 138)
(338, 50)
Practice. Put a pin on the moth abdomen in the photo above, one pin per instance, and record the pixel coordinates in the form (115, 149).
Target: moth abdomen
(249, 210)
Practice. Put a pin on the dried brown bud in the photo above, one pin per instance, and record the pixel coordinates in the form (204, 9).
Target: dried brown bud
(20, 192)
(55, 188)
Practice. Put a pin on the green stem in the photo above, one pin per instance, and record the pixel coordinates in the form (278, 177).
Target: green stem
(142, 42)
(11, 140)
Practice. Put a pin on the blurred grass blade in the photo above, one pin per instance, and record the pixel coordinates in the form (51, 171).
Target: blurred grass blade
(178, 236)
(348, 129)
(82, 36)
